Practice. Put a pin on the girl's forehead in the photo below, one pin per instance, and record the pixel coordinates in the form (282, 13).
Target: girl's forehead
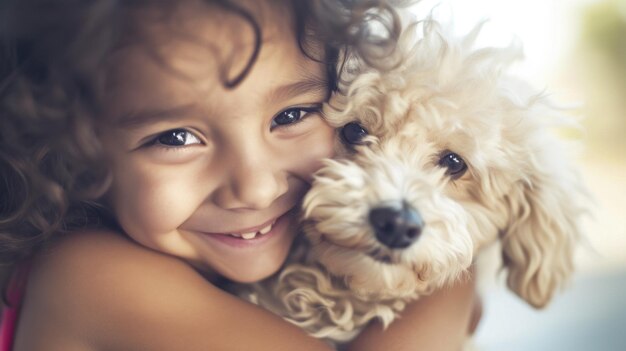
(185, 56)
(202, 16)
(201, 31)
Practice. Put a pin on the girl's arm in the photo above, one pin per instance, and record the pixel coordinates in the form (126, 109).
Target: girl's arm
(439, 322)
(99, 291)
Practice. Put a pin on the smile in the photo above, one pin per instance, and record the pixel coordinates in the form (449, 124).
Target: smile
(251, 234)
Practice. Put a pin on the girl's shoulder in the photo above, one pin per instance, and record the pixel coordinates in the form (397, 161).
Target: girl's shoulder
(98, 285)
(101, 263)
(98, 251)
(98, 290)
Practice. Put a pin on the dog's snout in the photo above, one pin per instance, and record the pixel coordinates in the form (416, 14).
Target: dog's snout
(395, 227)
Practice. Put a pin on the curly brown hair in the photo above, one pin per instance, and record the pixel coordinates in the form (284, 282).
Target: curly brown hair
(51, 165)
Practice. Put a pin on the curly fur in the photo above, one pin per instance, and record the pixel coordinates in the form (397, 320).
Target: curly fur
(519, 188)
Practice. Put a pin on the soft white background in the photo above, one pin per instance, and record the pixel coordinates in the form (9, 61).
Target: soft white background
(591, 314)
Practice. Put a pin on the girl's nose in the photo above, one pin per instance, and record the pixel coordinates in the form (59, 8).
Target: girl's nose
(252, 182)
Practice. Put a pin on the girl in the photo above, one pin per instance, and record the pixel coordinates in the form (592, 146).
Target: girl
(152, 150)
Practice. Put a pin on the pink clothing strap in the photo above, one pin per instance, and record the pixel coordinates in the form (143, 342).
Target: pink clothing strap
(10, 313)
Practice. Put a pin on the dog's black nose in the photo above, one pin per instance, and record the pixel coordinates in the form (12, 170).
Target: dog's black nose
(396, 228)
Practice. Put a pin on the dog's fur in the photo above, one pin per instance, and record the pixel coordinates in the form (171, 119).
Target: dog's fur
(519, 188)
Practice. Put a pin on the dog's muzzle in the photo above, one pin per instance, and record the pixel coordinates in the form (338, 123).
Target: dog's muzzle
(396, 227)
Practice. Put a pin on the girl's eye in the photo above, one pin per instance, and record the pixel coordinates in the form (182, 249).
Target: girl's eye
(177, 137)
(455, 165)
(352, 133)
(291, 116)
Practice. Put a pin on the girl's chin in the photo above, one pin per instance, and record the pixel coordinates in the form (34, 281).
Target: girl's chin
(245, 273)
(255, 269)
(248, 261)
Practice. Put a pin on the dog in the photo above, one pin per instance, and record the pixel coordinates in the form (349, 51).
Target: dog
(437, 158)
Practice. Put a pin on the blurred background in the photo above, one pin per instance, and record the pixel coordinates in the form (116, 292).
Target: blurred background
(576, 50)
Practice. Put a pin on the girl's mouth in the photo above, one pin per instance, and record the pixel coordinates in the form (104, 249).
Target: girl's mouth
(255, 233)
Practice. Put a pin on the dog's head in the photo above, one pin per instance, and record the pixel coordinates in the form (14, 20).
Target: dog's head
(438, 157)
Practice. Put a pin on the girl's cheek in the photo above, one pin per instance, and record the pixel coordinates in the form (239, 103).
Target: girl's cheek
(154, 203)
(307, 156)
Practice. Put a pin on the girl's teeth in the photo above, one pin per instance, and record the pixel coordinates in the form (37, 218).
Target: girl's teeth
(248, 236)
(266, 229)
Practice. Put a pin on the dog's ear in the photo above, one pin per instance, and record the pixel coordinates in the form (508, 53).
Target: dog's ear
(543, 227)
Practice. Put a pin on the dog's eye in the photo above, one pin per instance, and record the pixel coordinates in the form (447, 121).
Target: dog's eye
(352, 133)
(455, 165)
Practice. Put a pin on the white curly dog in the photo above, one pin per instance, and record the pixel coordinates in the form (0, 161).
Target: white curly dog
(437, 158)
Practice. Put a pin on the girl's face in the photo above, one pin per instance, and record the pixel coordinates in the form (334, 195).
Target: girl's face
(205, 173)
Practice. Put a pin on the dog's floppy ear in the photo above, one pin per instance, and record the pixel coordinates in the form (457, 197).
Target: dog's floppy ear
(543, 228)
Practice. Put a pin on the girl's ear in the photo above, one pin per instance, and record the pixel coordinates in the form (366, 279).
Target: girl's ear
(543, 227)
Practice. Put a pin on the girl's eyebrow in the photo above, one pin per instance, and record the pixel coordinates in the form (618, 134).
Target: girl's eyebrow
(306, 85)
(140, 118)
